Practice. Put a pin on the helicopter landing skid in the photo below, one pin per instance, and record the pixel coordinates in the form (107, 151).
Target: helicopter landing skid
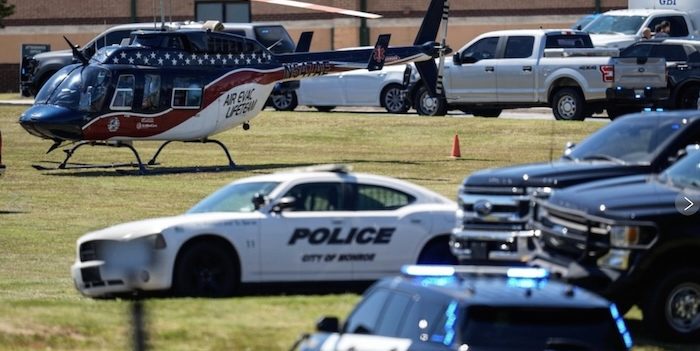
(70, 152)
(231, 164)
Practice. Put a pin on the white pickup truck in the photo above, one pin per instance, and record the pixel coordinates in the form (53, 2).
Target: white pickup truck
(621, 28)
(529, 68)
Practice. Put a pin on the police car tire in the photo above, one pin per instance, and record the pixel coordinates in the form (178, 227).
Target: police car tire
(392, 99)
(286, 101)
(205, 269)
(438, 109)
(678, 284)
(437, 252)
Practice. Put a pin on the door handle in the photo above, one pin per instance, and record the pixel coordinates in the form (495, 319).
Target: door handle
(489, 69)
(527, 68)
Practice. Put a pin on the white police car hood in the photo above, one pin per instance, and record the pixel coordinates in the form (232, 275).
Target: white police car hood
(137, 229)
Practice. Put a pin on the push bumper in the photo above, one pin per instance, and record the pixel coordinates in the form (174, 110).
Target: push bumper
(99, 278)
(472, 246)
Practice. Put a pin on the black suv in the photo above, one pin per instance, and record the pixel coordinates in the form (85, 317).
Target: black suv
(474, 308)
(496, 204)
(633, 239)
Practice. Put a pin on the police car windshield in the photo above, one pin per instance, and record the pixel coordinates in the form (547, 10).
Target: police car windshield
(236, 197)
(533, 328)
(685, 173)
(632, 140)
(80, 88)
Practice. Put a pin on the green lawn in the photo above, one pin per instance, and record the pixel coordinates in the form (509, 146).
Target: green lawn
(43, 213)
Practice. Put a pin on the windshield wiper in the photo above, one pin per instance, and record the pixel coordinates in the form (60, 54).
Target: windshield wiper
(603, 157)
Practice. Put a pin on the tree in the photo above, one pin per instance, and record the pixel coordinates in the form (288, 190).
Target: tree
(5, 11)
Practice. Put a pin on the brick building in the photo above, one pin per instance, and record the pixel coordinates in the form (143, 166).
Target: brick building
(44, 22)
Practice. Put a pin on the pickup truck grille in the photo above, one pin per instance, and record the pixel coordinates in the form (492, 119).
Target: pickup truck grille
(570, 234)
(494, 208)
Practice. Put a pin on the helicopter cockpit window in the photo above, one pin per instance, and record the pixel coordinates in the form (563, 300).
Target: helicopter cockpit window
(124, 94)
(93, 89)
(187, 93)
(151, 92)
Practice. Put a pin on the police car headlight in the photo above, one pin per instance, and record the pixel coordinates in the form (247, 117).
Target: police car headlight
(631, 236)
(155, 241)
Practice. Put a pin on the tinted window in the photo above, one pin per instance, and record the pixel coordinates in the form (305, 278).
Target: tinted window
(115, 38)
(483, 49)
(641, 50)
(274, 38)
(562, 41)
(632, 140)
(364, 319)
(678, 26)
(124, 94)
(523, 328)
(669, 52)
(519, 47)
(393, 315)
(379, 198)
(187, 92)
(317, 197)
(422, 319)
(151, 92)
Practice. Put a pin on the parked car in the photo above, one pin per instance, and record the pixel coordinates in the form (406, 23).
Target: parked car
(35, 71)
(474, 308)
(683, 67)
(302, 226)
(382, 88)
(528, 68)
(633, 239)
(496, 205)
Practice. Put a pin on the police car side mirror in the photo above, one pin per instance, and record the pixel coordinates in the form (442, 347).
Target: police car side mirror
(259, 200)
(284, 203)
(569, 147)
(328, 324)
(457, 59)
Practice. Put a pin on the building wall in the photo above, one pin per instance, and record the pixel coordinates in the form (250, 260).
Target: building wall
(45, 22)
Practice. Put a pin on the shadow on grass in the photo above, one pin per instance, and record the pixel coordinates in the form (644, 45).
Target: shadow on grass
(109, 171)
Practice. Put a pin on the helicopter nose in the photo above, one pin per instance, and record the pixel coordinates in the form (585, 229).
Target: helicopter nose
(52, 122)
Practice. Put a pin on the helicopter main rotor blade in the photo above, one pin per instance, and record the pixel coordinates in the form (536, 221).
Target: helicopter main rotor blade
(331, 9)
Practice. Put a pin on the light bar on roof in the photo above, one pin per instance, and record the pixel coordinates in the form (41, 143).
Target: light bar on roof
(331, 9)
(427, 270)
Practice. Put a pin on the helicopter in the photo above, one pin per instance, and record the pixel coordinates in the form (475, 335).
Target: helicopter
(186, 85)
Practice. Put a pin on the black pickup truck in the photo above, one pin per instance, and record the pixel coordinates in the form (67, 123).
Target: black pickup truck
(682, 64)
(496, 204)
(633, 239)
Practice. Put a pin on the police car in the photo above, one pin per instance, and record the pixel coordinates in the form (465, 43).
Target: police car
(320, 224)
(473, 308)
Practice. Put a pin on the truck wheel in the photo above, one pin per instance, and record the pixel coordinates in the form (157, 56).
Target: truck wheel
(205, 269)
(568, 105)
(672, 310)
(427, 105)
(286, 101)
(487, 112)
(437, 252)
(394, 99)
(689, 98)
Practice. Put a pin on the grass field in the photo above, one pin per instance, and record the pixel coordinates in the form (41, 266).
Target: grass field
(43, 213)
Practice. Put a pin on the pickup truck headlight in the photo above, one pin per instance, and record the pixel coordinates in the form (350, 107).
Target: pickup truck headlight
(631, 236)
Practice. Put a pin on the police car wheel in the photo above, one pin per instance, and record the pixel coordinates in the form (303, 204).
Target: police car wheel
(286, 101)
(672, 310)
(437, 252)
(205, 269)
(394, 99)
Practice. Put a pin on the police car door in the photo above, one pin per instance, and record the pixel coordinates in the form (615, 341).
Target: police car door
(303, 242)
(389, 230)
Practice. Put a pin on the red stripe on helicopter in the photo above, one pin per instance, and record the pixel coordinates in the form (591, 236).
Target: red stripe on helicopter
(139, 125)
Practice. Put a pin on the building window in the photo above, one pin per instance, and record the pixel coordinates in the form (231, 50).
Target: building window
(224, 11)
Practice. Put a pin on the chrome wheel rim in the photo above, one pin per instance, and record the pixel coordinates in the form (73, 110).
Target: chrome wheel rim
(429, 104)
(282, 101)
(394, 100)
(567, 107)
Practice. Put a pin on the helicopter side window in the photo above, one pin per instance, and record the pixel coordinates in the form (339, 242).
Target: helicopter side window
(151, 92)
(124, 94)
(187, 93)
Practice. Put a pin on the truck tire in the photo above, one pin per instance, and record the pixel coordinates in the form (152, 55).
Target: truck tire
(568, 105)
(672, 309)
(205, 269)
(688, 99)
(286, 101)
(427, 105)
(394, 99)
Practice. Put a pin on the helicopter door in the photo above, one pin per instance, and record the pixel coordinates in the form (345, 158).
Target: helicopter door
(187, 95)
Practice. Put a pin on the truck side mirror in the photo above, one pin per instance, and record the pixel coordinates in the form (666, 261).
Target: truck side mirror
(328, 324)
(569, 147)
(284, 203)
(457, 59)
(258, 200)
